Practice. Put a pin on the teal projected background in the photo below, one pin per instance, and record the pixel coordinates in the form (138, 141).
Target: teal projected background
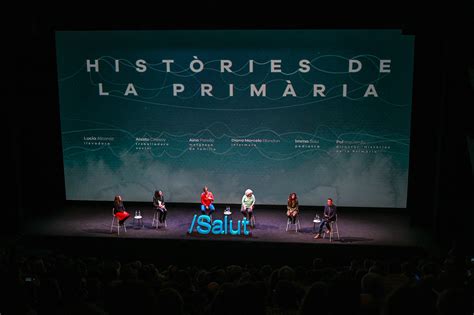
(323, 113)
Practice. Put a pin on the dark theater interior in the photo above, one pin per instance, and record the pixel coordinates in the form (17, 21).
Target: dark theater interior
(336, 139)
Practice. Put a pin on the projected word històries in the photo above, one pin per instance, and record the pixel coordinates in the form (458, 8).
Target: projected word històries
(226, 66)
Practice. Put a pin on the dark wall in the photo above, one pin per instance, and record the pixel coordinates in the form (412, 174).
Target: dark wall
(439, 105)
(455, 185)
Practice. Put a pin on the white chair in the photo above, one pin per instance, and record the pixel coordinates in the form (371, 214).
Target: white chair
(316, 221)
(156, 221)
(211, 214)
(252, 220)
(228, 213)
(296, 224)
(138, 219)
(116, 224)
(333, 224)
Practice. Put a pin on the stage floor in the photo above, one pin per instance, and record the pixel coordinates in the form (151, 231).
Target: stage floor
(363, 227)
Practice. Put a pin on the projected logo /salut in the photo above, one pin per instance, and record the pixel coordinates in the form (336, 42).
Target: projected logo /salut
(204, 225)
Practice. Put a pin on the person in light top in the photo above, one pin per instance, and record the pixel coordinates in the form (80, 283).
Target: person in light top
(248, 203)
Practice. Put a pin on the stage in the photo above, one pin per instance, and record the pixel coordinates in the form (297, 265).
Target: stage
(84, 230)
(356, 227)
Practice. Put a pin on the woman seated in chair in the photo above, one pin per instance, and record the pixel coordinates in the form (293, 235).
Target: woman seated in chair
(292, 209)
(119, 210)
(159, 205)
(248, 203)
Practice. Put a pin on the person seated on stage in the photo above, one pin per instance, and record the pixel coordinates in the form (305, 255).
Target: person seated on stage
(159, 205)
(292, 208)
(119, 210)
(207, 199)
(329, 216)
(248, 202)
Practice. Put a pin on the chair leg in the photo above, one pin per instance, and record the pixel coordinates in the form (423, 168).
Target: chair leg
(157, 219)
(296, 224)
(112, 225)
(332, 232)
(164, 224)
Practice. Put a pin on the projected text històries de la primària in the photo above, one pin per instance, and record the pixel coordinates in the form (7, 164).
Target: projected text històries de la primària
(226, 66)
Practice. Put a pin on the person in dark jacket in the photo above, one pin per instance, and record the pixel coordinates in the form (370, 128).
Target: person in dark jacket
(329, 216)
(159, 205)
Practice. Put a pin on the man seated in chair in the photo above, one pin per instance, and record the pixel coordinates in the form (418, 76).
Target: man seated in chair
(328, 217)
(207, 199)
